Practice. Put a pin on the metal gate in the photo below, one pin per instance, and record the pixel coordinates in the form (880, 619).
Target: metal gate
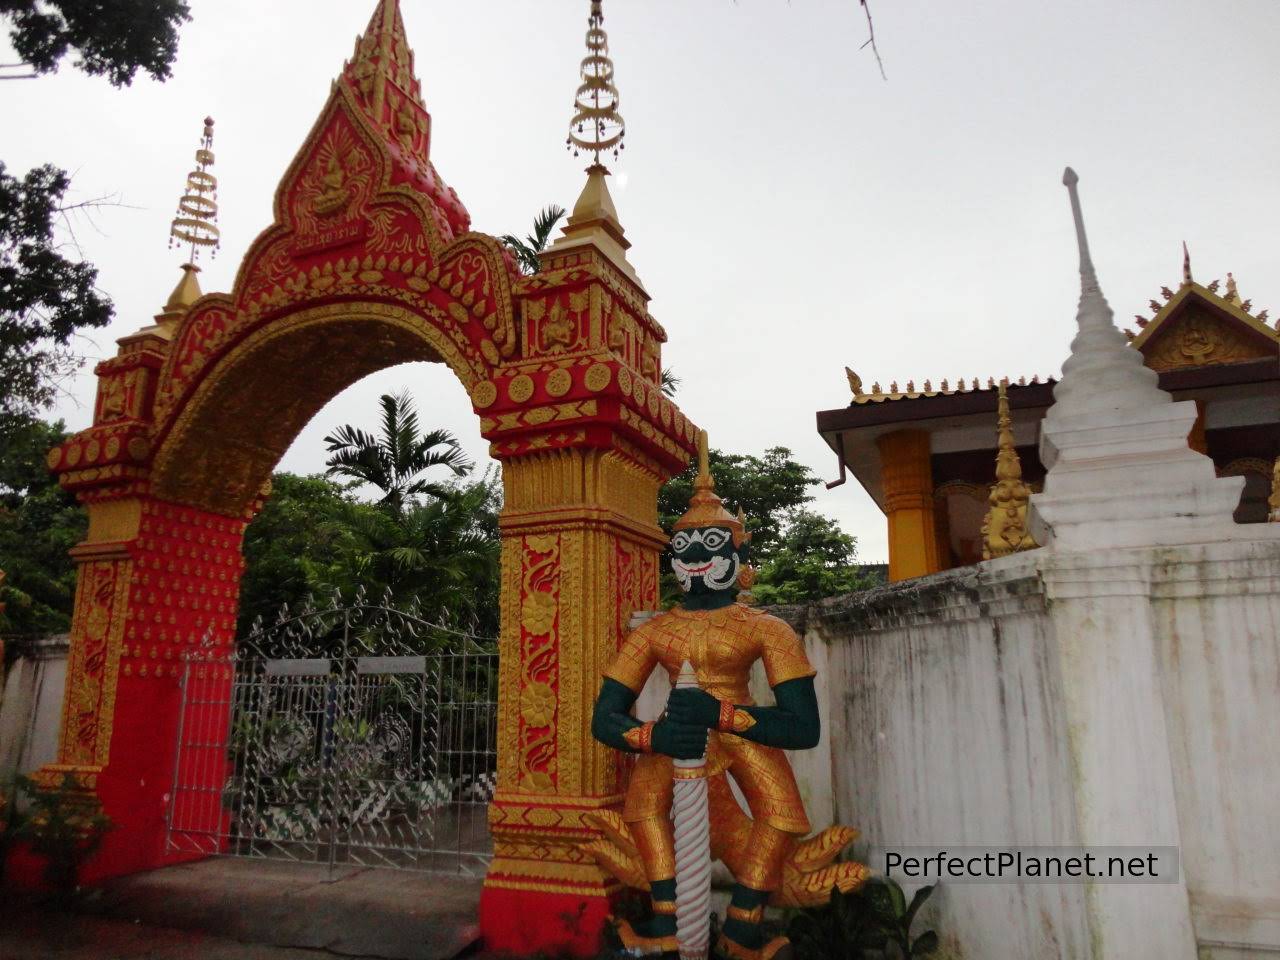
(342, 734)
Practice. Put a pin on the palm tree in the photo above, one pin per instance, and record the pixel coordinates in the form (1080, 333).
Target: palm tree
(528, 252)
(442, 554)
(670, 382)
(395, 461)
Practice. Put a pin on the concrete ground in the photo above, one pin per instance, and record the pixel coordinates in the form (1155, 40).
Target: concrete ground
(252, 910)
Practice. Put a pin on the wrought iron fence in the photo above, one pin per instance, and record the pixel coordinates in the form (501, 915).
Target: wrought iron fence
(343, 734)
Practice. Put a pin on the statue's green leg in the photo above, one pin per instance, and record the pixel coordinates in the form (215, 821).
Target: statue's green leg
(657, 850)
(759, 875)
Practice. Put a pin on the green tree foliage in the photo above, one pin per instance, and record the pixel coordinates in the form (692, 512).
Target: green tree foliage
(816, 559)
(528, 252)
(395, 461)
(44, 297)
(113, 39)
(39, 523)
(314, 536)
(426, 541)
(292, 546)
(441, 552)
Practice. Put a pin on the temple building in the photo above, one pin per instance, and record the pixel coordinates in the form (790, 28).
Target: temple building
(952, 474)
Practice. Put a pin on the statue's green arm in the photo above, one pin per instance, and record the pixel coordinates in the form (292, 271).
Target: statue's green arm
(792, 724)
(611, 719)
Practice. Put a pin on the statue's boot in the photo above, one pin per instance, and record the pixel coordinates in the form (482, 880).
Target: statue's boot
(741, 938)
(657, 935)
(638, 942)
(776, 949)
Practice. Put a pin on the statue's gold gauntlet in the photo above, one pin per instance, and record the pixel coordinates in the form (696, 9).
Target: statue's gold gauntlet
(640, 738)
(733, 720)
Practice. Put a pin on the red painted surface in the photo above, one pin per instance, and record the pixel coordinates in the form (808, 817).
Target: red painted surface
(525, 922)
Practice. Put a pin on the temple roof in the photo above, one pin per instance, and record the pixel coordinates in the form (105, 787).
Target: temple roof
(1197, 327)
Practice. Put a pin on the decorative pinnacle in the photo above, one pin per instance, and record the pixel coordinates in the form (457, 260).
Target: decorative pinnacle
(597, 127)
(197, 219)
(704, 459)
(1186, 263)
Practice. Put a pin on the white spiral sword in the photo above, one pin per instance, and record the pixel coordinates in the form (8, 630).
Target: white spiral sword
(693, 847)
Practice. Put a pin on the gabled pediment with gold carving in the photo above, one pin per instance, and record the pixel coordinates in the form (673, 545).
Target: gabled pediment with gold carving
(1197, 328)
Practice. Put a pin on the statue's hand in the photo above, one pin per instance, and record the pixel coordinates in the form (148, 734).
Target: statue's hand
(679, 740)
(693, 707)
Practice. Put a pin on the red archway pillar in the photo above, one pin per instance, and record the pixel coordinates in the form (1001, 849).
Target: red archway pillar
(154, 579)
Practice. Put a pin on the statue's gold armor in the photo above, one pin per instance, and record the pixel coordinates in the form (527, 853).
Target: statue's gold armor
(716, 723)
(721, 645)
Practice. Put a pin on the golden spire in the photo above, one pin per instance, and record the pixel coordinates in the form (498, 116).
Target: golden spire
(597, 127)
(706, 509)
(196, 224)
(1004, 529)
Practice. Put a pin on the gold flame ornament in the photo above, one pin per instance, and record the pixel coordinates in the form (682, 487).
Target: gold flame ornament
(197, 219)
(1004, 529)
(597, 126)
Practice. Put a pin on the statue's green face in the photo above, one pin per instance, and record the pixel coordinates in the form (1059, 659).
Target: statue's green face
(706, 561)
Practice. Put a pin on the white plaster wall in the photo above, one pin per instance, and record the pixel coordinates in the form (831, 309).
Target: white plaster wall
(949, 725)
(31, 710)
(944, 731)
(1217, 610)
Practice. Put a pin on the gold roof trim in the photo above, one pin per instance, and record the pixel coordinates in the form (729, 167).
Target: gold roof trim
(1231, 304)
(944, 389)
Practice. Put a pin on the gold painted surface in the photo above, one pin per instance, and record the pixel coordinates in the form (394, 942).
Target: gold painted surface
(1197, 338)
(1004, 529)
(113, 520)
(97, 628)
(306, 358)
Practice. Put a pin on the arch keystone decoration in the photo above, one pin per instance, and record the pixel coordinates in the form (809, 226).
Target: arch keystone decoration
(370, 262)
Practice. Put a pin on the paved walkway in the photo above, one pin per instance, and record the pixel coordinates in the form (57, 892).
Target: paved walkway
(253, 910)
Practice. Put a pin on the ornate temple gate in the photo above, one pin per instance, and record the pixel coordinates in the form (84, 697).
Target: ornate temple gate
(369, 263)
(357, 734)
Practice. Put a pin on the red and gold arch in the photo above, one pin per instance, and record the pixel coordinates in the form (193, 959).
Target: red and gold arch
(370, 262)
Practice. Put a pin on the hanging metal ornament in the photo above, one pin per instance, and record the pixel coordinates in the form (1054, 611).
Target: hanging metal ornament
(197, 219)
(597, 126)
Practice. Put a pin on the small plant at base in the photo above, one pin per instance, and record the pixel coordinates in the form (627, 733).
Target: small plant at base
(65, 826)
(874, 922)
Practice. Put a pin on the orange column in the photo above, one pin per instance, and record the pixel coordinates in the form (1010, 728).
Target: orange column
(907, 476)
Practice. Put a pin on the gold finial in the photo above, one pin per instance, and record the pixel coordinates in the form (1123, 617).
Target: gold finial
(1186, 264)
(706, 509)
(1004, 529)
(1232, 294)
(197, 219)
(597, 126)
(855, 382)
(1274, 500)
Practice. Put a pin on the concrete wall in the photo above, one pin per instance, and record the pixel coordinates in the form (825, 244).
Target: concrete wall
(31, 708)
(1042, 700)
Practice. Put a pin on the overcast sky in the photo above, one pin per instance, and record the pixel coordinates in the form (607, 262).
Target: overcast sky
(790, 211)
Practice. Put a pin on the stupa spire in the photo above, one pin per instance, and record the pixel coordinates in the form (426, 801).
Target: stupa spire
(1110, 423)
(1103, 371)
(597, 126)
